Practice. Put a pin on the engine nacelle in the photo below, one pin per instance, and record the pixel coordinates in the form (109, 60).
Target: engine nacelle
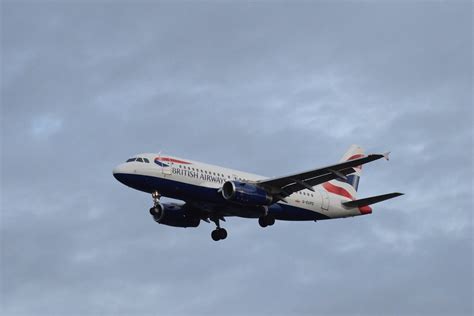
(245, 193)
(174, 215)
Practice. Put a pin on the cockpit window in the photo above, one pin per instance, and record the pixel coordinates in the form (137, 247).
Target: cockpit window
(139, 159)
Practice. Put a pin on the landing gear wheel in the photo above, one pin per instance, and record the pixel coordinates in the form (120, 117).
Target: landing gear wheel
(215, 235)
(265, 221)
(270, 220)
(219, 234)
(222, 233)
(155, 211)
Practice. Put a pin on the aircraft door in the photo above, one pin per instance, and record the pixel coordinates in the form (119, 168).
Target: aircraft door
(324, 200)
(165, 164)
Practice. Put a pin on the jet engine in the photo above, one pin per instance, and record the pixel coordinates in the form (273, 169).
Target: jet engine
(174, 215)
(245, 193)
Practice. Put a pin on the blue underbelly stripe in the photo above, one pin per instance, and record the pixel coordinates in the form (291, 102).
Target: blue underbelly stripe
(189, 192)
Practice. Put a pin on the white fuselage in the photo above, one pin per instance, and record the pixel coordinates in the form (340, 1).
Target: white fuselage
(179, 178)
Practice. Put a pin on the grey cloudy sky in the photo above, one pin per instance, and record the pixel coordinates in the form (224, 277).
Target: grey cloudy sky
(266, 87)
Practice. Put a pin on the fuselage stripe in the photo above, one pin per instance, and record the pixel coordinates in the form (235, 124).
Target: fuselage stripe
(168, 159)
(337, 190)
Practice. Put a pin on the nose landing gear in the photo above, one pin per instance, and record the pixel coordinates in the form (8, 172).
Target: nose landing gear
(217, 234)
(156, 198)
(155, 211)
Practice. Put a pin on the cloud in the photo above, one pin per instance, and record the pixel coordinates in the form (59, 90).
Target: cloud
(45, 126)
(263, 87)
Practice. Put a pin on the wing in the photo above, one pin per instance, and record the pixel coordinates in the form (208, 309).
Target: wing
(285, 186)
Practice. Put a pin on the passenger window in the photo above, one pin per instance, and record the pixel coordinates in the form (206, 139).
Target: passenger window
(146, 160)
(139, 159)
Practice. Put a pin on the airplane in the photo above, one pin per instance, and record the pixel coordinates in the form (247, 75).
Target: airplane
(212, 193)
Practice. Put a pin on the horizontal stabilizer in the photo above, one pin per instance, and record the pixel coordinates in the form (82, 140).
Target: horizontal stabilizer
(371, 200)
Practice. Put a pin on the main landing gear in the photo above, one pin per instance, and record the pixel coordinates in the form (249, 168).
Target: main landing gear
(218, 233)
(267, 220)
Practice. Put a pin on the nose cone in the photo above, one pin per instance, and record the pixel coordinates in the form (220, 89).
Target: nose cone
(127, 174)
(117, 170)
(119, 173)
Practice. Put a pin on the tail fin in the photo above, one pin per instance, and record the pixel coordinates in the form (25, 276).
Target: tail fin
(347, 188)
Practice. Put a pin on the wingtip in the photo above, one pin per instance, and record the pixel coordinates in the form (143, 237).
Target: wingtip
(397, 194)
(386, 155)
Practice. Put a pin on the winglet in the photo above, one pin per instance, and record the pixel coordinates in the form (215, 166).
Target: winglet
(386, 155)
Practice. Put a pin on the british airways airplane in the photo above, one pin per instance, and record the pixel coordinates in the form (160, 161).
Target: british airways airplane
(212, 193)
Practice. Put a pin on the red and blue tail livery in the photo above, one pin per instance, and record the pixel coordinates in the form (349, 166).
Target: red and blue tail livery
(212, 193)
